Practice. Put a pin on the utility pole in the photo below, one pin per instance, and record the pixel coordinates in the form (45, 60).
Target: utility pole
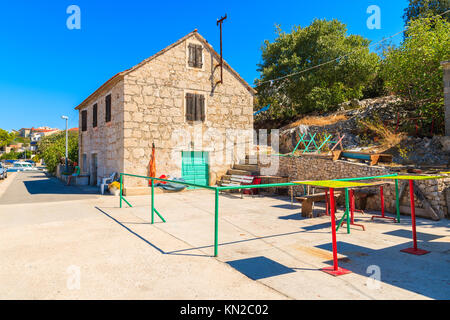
(219, 23)
(67, 139)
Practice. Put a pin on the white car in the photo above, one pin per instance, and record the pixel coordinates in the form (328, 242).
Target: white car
(22, 166)
(3, 172)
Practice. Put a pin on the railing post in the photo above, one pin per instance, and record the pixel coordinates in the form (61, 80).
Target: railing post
(121, 179)
(347, 209)
(153, 202)
(397, 200)
(216, 223)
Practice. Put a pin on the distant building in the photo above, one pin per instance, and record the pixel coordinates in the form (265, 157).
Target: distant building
(25, 132)
(38, 133)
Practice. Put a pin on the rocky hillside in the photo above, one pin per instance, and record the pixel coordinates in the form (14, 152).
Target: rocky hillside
(384, 113)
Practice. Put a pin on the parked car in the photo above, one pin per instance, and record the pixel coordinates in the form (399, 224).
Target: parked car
(3, 172)
(19, 166)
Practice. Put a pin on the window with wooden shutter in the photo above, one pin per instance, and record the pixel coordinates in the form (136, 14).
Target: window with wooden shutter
(94, 116)
(190, 104)
(195, 58)
(195, 107)
(198, 56)
(191, 58)
(108, 108)
(84, 120)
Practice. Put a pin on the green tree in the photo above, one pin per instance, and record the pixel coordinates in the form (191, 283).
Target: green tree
(53, 148)
(413, 70)
(422, 8)
(6, 138)
(10, 156)
(320, 89)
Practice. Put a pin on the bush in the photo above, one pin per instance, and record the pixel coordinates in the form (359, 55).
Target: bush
(53, 148)
(413, 71)
(320, 89)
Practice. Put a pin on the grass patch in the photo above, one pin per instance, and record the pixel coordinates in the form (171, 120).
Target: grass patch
(317, 121)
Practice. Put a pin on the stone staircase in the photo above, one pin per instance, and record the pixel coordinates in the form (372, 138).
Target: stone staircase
(244, 168)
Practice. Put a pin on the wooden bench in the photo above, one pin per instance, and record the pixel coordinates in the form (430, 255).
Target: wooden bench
(237, 180)
(307, 202)
(374, 158)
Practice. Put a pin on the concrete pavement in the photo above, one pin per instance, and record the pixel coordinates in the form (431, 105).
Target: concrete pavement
(88, 248)
(36, 186)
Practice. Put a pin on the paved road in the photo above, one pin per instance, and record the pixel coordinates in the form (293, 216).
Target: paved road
(35, 187)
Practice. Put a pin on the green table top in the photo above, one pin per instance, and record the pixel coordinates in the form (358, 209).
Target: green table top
(334, 184)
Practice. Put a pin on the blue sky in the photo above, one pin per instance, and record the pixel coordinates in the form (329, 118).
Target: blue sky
(46, 69)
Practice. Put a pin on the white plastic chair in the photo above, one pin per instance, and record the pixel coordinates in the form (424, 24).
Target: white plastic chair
(106, 181)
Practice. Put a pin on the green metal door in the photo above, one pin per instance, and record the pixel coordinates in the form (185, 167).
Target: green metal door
(195, 167)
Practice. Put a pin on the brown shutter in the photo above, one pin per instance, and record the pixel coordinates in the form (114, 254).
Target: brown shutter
(84, 120)
(198, 108)
(198, 56)
(202, 108)
(108, 108)
(94, 116)
(189, 107)
(191, 61)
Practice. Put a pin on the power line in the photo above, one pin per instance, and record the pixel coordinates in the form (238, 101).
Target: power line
(338, 58)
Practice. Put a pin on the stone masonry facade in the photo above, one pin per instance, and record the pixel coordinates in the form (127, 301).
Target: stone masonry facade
(310, 167)
(149, 106)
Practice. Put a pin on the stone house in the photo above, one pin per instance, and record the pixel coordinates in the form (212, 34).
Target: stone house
(174, 99)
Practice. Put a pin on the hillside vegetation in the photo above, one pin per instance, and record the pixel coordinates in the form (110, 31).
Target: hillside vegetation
(312, 70)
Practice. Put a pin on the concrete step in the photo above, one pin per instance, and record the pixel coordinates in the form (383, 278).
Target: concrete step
(247, 160)
(246, 167)
(239, 172)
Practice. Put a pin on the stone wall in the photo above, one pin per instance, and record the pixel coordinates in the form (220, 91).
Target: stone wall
(310, 167)
(154, 111)
(105, 140)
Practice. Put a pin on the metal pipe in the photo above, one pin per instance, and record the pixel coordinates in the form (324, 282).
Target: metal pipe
(153, 202)
(219, 23)
(397, 200)
(413, 212)
(121, 179)
(368, 178)
(216, 223)
(333, 230)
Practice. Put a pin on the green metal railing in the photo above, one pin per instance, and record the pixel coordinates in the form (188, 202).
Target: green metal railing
(216, 197)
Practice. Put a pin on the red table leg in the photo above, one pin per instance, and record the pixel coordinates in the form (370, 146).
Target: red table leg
(414, 250)
(334, 270)
(382, 208)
